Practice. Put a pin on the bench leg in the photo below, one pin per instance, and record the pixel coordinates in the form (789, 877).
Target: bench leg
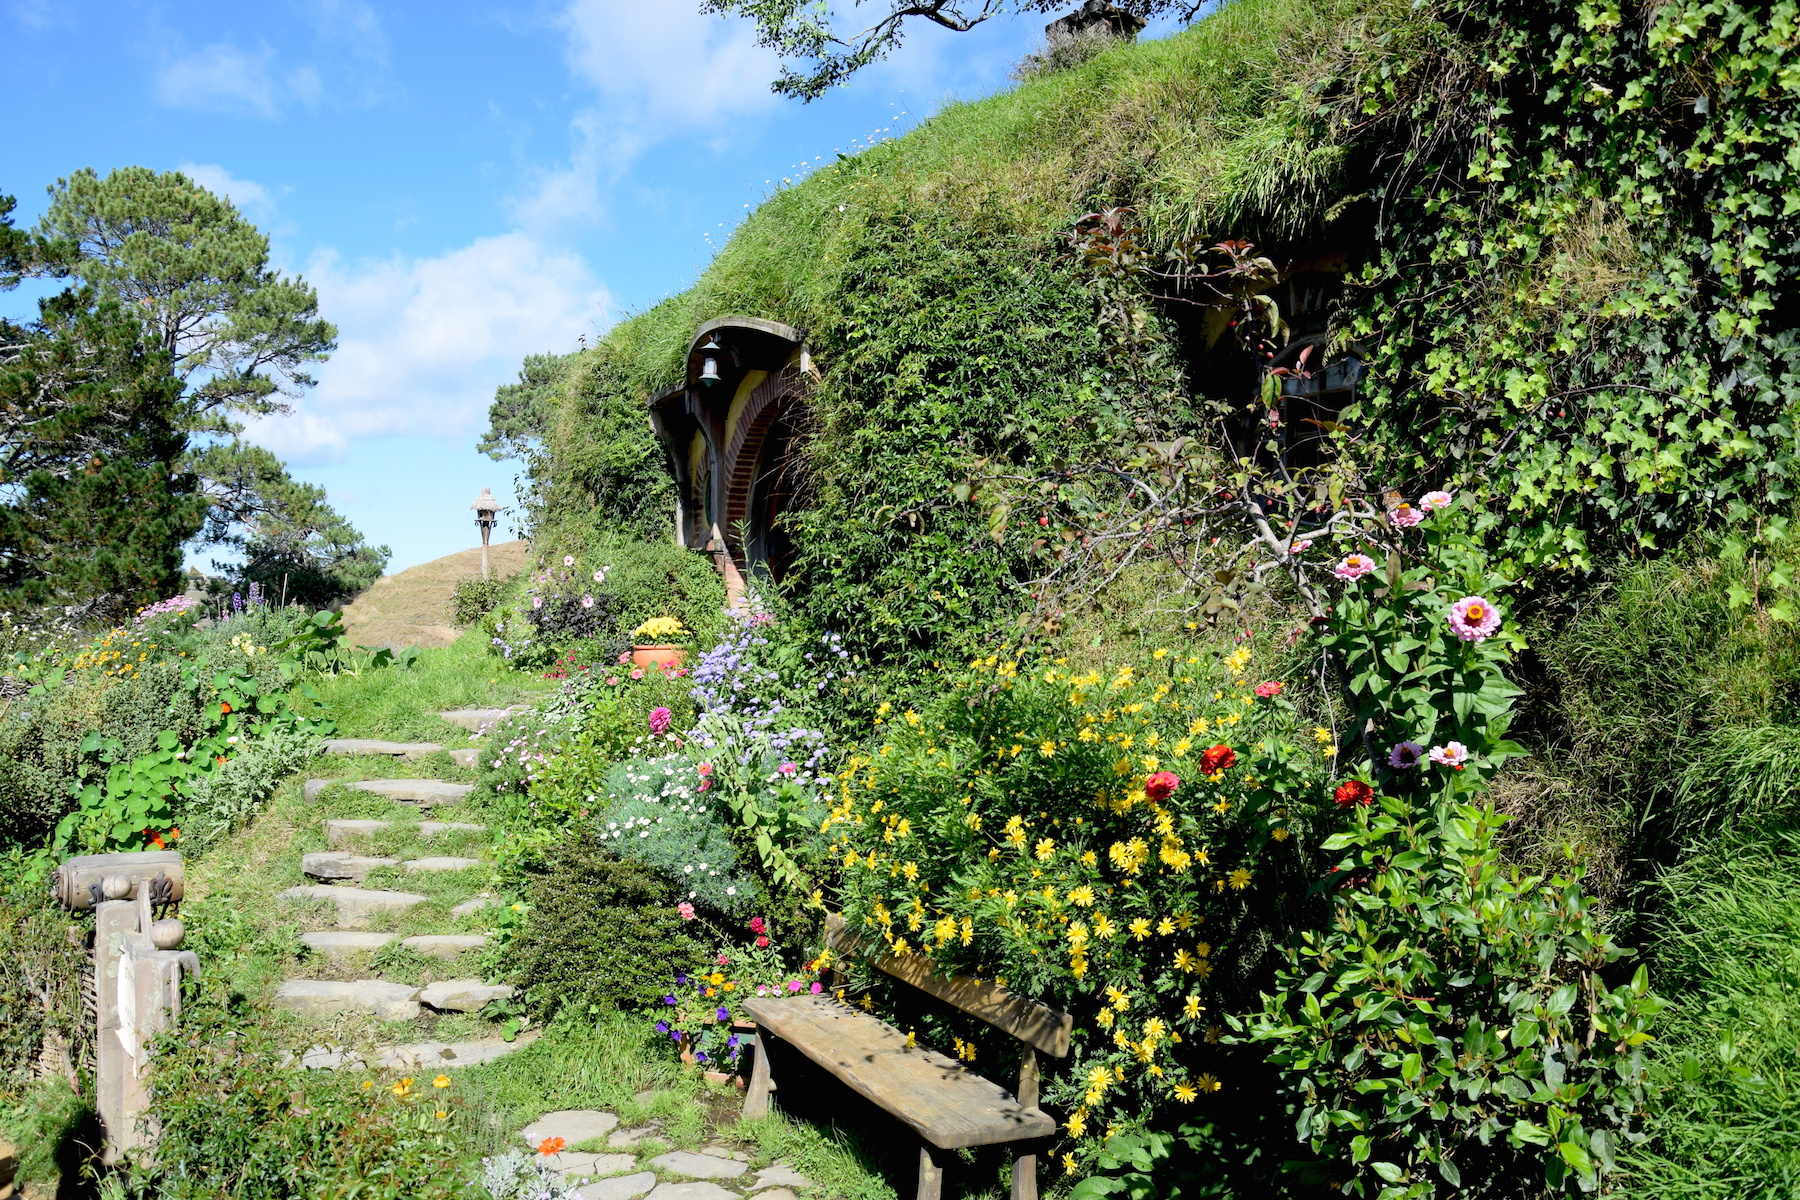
(931, 1174)
(756, 1097)
(1024, 1181)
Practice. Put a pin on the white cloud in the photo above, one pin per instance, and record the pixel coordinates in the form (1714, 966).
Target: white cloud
(251, 198)
(422, 343)
(660, 70)
(222, 77)
(346, 69)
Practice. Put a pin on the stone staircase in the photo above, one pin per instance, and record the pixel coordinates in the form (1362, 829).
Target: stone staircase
(608, 1169)
(361, 889)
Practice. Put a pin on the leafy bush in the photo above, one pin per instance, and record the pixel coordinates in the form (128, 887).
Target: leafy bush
(1451, 1028)
(599, 933)
(656, 812)
(41, 969)
(1113, 844)
(474, 597)
(226, 798)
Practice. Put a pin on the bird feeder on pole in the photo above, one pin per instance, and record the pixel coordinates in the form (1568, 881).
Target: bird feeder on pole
(487, 515)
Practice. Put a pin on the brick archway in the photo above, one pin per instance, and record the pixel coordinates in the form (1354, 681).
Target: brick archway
(743, 458)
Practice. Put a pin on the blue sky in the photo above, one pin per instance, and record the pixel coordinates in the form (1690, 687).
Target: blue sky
(464, 183)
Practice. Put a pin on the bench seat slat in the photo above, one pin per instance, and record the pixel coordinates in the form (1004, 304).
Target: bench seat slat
(947, 1105)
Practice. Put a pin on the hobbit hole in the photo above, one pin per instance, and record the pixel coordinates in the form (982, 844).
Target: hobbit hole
(727, 431)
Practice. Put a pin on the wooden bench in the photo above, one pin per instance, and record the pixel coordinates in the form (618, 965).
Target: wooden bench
(948, 1106)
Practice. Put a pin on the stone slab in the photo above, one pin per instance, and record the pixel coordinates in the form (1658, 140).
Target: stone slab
(779, 1174)
(324, 998)
(446, 945)
(433, 828)
(572, 1125)
(441, 862)
(779, 1193)
(354, 905)
(472, 906)
(625, 1139)
(479, 720)
(336, 864)
(698, 1166)
(471, 995)
(407, 750)
(692, 1191)
(469, 757)
(341, 833)
(419, 1056)
(626, 1187)
(577, 1164)
(423, 792)
(342, 944)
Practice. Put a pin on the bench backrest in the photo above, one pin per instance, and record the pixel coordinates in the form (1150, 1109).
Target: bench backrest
(1037, 1025)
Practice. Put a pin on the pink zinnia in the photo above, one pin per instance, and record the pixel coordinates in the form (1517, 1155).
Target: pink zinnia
(1160, 786)
(1405, 516)
(659, 720)
(1301, 546)
(1405, 755)
(1354, 567)
(1432, 501)
(1267, 689)
(686, 910)
(1451, 754)
(787, 768)
(612, 681)
(1473, 618)
(625, 657)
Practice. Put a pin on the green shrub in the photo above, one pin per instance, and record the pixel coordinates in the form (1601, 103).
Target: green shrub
(226, 798)
(474, 597)
(600, 933)
(41, 969)
(1451, 1030)
(1727, 1119)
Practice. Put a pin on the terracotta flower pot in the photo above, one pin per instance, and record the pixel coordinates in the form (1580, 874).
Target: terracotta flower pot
(656, 656)
(687, 1048)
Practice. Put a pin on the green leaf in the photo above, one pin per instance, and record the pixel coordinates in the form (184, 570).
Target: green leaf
(1388, 1171)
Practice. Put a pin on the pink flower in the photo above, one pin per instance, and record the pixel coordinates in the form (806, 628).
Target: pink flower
(1354, 567)
(817, 988)
(612, 681)
(537, 602)
(1405, 755)
(1270, 688)
(659, 720)
(587, 602)
(686, 910)
(758, 925)
(599, 576)
(723, 961)
(1160, 786)
(762, 943)
(787, 768)
(625, 657)
(1432, 501)
(637, 672)
(568, 560)
(793, 985)
(1405, 516)
(705, 769)
(1451, 754)
(1472, 619)
(1301, 546)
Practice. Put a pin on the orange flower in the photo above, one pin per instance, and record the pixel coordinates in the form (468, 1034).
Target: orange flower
(551, 1145)
(224, 708)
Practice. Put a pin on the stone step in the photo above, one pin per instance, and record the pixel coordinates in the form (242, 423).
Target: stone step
(441, 862)
(462, 995)
(334, 864)
(342, 943)
(419, 1056)
(325, 998)
(480, 720)
(423, 792)
(341, 832)
(446, 945)
(470, 757)
(354, 905)
(406, 750)
(472, 906)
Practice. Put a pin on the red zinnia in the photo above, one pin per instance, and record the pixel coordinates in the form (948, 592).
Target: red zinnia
(1271, 688)
(1161, 786)
(1219, 758)
(1353, 791)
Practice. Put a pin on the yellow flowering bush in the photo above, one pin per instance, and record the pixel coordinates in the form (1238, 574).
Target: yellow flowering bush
(1095, 840)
